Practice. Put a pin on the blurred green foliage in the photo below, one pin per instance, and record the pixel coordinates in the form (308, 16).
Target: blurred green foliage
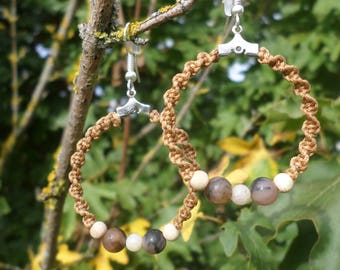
(299, 231)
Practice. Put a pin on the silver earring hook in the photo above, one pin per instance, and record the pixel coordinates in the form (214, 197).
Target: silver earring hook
(238, 44)
(131, 75)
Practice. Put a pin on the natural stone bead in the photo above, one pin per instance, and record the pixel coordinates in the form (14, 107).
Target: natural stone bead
(283, 182)
(134, 242)
(114, 240)
(241, 194)
(154, 241)
(199, 180)
(98, 229)
(263, 191)
(219, 190)
(170, 232)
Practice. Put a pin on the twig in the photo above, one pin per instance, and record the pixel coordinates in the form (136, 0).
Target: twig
(181, 7)
(152, 7)
(138, 7)
(48, 68)
(14, 64)
(146, 159)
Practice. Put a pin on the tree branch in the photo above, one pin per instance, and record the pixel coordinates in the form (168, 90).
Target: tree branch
(100, 20)
(14, 58)
(136, 28)
(48, 68)
(165, 14)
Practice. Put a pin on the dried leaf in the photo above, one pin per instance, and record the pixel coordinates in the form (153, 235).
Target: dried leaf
(256, 160)
(237, 176)
(237, 146)
(220, 168)
(286, 136)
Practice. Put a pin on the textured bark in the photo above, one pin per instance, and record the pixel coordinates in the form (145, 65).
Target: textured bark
(99, 21)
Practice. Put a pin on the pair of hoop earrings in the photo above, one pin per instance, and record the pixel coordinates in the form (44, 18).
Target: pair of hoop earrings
(218, 190)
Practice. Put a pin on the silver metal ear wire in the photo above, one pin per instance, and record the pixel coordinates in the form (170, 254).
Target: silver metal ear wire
(133, 105)
(238, 44)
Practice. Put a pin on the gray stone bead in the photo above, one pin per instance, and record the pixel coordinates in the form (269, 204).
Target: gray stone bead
(219, 190)
(154, 241)
(263, 191)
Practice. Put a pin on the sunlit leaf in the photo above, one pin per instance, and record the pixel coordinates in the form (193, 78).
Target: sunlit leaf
(220, 168)
(66, 256)
(237, 146)
(139, 225)
(256, 160)
(237, 176)
(102, 259)
(188, 225)
(286, 136)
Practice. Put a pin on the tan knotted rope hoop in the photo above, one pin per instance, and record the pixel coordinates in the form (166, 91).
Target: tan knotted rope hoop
(182, 153)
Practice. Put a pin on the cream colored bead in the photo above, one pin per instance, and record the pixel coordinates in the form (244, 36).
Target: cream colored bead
(134, 242)
(98, 229)
(199, 180)
(283, 182)
(170, 232)
(241, 194)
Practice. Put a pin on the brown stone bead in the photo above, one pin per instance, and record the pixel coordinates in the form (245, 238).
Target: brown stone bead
(154, 241)
(114, 240)
(263, 191)
(219, 190)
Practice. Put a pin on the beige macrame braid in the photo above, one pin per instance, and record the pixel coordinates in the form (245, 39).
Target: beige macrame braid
(182, 153)
(84, 145)
(309, 106)
(78, 160)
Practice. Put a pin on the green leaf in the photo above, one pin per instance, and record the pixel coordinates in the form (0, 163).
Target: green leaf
(316, 198)
(324, 7)
(246, 228)
(95, 193)
(229, 238)
(4, 207)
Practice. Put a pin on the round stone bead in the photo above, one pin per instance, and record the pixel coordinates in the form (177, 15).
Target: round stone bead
(98, 229)
(199, 180)
(134, 242)
(283, 182)
(154, 241)
(114, 240)
(263, 191)
(219, 190)
(241, 194)
(170, 232)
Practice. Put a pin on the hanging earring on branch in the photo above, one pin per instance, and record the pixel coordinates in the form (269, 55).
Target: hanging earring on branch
(114, 239)
(218, 190)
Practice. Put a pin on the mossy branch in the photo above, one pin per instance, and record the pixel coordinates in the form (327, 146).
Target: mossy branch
(136, 28)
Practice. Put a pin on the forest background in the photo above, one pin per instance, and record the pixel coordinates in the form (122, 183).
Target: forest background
(243, 119)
